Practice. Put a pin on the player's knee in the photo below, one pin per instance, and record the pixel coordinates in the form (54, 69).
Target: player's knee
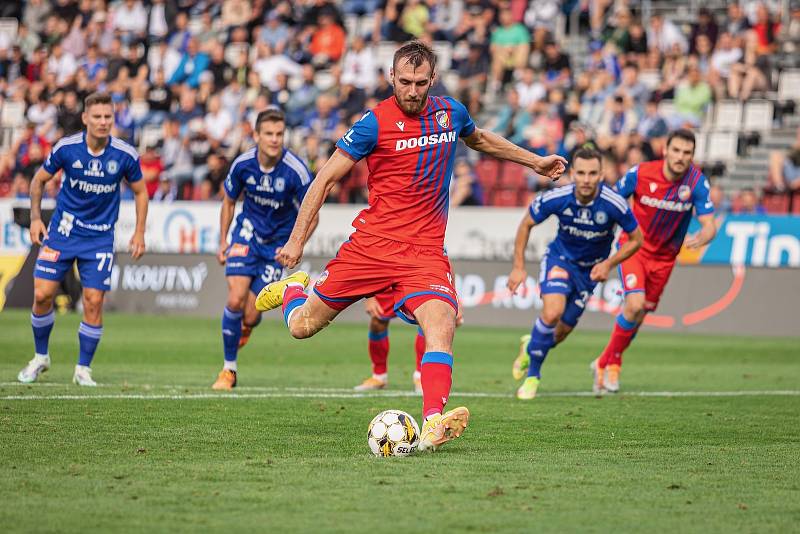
(252, 317)
(551, 316)
(42, 297)
(235, 303)
(376, 326)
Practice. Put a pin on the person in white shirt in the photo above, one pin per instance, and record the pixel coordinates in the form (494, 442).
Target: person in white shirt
(269, 65)
(529, 88)
(130, 20)
(62, 64)
(162, 57)
(664, 35)
(217, 122)
(358, 66)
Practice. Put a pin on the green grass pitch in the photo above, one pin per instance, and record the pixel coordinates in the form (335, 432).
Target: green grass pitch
(158, 451)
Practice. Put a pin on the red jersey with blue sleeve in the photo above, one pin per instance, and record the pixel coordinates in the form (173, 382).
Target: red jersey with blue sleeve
(664, 207)
(410, 160)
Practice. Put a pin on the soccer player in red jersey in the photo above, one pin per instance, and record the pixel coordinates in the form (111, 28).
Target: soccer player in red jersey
(665, 192)
(409, 141)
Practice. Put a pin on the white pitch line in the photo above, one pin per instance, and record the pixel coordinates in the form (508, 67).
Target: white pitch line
(310, 393)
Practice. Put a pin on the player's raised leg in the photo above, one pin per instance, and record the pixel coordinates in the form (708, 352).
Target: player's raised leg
(238, 289)
(437, 319)
(378, 346)
(89, 333)
(42, 319)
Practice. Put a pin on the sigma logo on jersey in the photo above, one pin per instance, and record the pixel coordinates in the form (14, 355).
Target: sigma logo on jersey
(669, 205)
(238, 249)
(433, 139)
(322, 278)
(557, 272)
(49, 254)
(89, 187)
(443, 119)
(584, 216)
(95, 169)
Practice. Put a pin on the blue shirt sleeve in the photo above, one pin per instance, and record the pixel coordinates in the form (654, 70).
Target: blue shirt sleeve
(700, 197)
(627, 221)
(54, 161)
(233, 183)
(133, 171)
(627, 184)
(541, 209)
(361, 139)
(462, 122)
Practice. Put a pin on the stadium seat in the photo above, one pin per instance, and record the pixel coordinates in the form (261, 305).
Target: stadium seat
(9, 27)
(12, 114)
(789, 85)
(776, 203)
(505, 197)
(384, 53)
(513, 176)
(700, 147)
(796, 204)
(721, 146)
(450, 80)
(444, 55)
(728, 116)
(708, 119)
(758, 116)
(488, 170)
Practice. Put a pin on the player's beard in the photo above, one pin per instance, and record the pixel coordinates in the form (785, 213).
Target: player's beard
(677, 170)
(412, 107)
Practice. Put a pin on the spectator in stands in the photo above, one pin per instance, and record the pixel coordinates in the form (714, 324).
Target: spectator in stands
(784, 168)
(322, 120)
(192, 65)
(115, 61)
(93, 64)
(358, 66)
(664, 35)
(20, 186)
(616, 124)
(510, 44)
(652, 125)
(472, 72)
(159, 99)
(327, 41)
(414, 17)
(44, 115)
(162, 57)
(352, 101)
(217, 122)
(218, 67)
(601, 58)
(736, 24)
(236, 13)
(765, 29)
(748, 203)
(188, 110)
(36, 12)
(752, 73)
(152, 168)
(61, 63)
(692, 97)
(725, 56)
(465, 189)
(179, 40)
(557, 70)
(637, 42)
(383, 89)
(275, 32)
(722, 205)
(513, 120)
(530, 88)
(217, 172)
(14, 66)
(634, 91)
(69, 115)
(610, 169)
(129, 20)
(705, 25)
(269, 65)
(541, 17)
(444, 17)
(157, 17)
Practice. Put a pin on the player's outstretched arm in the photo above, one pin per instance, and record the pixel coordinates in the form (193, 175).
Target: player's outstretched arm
(708, 231)
(38, 229)
(552, 166)
(600, 271)
(518, 274)
(332, 172)
(141, 199)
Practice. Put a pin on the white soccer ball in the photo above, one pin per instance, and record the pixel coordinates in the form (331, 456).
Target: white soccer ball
(393, 433)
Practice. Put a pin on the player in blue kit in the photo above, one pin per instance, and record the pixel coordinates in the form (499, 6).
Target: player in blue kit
(576, 260)
(274, 181)
(82, 229)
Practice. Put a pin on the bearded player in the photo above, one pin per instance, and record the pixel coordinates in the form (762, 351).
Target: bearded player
(409, 141)
(664, 194)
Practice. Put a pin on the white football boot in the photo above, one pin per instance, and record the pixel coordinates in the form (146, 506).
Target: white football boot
(37, 366)
(83, 376)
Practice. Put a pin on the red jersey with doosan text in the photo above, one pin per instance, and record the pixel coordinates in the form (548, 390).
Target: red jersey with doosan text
(662, 207)
(410, 160)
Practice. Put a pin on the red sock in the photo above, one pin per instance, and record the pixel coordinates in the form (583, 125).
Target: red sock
(293, 297)
(379, 351)
(419, 347)
(621, 337)
(437, 377)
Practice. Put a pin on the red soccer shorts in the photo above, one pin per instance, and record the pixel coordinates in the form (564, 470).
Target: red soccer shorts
(367, 265)
(386, 302)
(646, 274)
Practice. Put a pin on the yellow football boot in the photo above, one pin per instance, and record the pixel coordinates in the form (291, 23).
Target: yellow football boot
(441, 428)
(520, 368)
(271, 296)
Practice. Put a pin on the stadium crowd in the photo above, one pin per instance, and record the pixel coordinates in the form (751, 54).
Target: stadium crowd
(189, 76)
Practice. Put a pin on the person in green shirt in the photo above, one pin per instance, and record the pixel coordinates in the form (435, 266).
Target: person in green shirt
(510, 44)
(692, 98)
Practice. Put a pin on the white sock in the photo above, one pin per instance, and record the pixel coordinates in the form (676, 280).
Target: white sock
(231, 366)
(43, 356)
(384, 377)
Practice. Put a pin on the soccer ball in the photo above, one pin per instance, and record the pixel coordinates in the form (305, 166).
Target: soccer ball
(393, 433)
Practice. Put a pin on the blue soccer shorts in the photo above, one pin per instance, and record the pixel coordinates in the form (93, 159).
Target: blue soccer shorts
(95, 257)
(562, 277)
(255, 261)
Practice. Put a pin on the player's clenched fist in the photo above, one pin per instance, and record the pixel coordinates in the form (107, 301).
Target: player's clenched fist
(600, 272)
(552, 166)
(516, 278)
(38, 232)
(289, 255)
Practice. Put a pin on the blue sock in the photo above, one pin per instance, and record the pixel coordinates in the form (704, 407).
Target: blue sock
(231, 333)
(542, 340)
(42, 326)
(88, 338)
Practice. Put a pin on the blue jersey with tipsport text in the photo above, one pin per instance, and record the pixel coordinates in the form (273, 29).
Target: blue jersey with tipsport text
(585, 231)
(88, 203)
(272, 197)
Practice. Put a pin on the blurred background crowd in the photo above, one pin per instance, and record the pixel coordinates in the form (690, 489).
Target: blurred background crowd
(189, 76)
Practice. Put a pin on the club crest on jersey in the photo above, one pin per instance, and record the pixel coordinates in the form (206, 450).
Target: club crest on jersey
(112, 166)
(630, 280)
(443, 119)
(280, 184)
(600, 217)
(322, 277)
(684, 192)
(653, 187)
(49, 254)
(557, 272)
(95, 169)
